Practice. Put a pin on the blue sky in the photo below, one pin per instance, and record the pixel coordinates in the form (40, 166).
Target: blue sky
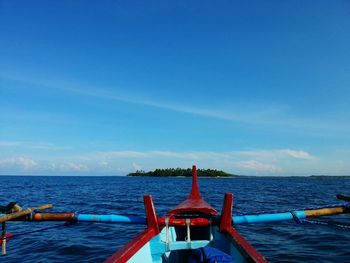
(108, 87)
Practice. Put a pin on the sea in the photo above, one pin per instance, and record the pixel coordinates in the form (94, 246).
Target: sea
(324, 240)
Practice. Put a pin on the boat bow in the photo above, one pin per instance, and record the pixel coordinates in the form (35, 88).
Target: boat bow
(194, 203)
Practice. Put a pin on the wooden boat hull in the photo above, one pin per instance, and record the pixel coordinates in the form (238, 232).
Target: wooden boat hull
(185, 229)
(159, 250)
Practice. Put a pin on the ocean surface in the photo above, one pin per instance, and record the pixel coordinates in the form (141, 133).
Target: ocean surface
(82, 242)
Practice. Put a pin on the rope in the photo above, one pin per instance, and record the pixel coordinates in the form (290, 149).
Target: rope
(296, 218)
(341, 225)
(35, 231)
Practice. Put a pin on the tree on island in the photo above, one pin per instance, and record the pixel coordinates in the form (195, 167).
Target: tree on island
(176, 172)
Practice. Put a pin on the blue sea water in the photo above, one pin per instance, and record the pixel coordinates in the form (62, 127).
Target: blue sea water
(82, 242)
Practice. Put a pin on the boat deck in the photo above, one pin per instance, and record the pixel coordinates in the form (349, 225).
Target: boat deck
(173, 248)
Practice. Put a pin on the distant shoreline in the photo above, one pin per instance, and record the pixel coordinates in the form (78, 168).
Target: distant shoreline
(259, 176)
(209, 173)
(228, 177)
(178, 172)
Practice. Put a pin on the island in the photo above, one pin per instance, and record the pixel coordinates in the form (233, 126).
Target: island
(179, 172)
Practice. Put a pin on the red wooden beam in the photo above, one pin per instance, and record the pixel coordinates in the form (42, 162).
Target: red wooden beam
(193, 222)
(195, 194)
(226, 213)
(131, 248)
(236, 238)
(152, 222)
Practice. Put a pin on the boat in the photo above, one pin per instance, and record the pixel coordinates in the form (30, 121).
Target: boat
(191, 232)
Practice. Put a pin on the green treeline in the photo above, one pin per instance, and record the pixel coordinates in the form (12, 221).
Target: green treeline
(182, 172)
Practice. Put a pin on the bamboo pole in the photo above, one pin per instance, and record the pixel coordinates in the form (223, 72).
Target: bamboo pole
(326, 211)
(23, 212)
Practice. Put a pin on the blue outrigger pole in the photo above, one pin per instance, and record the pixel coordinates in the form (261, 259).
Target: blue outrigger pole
(237, 220)
(298, 215)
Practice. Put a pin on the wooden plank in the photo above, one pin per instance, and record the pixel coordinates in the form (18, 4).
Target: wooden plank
(53, 217)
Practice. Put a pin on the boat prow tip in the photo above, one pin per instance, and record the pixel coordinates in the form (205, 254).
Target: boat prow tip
(195, 194)
(194, 203)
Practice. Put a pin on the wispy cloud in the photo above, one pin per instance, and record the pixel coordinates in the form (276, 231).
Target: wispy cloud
(73, 167)
(298, 154)
(188, 155)
(257, 162)
(34, 145)
(9, 143)
(122, 154)
(266, 114)
(136, 166)
(277, 154)
(274, 154)
(259, 167)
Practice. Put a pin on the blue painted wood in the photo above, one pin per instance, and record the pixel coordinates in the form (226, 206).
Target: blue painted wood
(247, 219)
(178, 245)
(157, 247)
(265, 218)
(111, 219)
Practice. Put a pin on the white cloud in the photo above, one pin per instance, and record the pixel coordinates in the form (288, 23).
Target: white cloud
(103, 164)
(298, 154)
(244, 162)
(73, 167)
(259, 167)
(21, 163)
(110, 162)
